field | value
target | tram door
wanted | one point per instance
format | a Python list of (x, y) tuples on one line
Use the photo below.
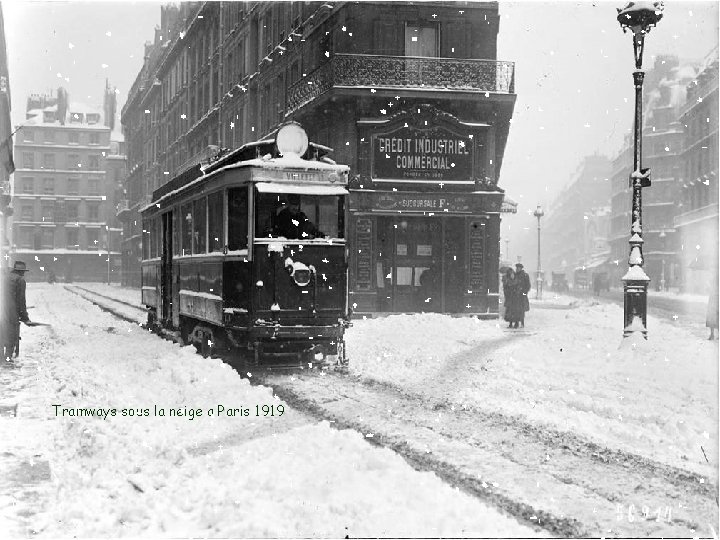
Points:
[(166, 280)]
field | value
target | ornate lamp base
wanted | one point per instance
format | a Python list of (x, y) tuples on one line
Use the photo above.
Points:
[(635, 294)]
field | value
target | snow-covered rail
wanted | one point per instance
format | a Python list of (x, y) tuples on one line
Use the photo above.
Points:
[(557, 481)]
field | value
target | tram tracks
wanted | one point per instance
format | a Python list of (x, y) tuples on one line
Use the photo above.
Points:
[(554, 481)]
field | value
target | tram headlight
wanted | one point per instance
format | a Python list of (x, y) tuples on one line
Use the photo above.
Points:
[(300, 272)]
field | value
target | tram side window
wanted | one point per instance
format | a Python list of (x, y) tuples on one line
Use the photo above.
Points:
[(146, 240), (215, 222), (154, 237), (237, 218), (176, 232), (186, 219), (200, 226)]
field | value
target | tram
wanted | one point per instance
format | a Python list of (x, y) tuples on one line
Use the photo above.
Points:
[(247, 256)]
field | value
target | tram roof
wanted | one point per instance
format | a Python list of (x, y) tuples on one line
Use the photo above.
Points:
[(291, 163)]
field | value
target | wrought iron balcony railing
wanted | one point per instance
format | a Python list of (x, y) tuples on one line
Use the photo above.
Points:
[(403, 72)]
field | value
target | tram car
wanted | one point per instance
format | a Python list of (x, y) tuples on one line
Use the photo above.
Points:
[(247, 256)]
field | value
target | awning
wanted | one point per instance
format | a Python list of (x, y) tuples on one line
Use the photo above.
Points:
[(310, 189)]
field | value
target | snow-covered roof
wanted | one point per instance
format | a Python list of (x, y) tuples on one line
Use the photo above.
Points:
[(289, 161)]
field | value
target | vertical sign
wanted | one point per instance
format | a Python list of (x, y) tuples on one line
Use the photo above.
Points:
[(363, 256), (476, 273)]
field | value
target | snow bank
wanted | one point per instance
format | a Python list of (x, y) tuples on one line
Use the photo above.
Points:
[(209, 476), (567, 371)]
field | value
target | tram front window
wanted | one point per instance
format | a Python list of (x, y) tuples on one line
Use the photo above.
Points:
[(299, 217)]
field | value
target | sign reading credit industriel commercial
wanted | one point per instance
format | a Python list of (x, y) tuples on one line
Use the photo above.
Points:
[(415, 154)]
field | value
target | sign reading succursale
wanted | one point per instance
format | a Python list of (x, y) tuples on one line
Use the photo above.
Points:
[(415, 154)]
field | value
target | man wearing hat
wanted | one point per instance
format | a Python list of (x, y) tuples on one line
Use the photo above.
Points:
[(14, 309), (524, 281), (293, 224)]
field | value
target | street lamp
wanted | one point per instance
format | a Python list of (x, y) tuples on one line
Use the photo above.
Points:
[(662, 260), (538, 213), (639, 17)]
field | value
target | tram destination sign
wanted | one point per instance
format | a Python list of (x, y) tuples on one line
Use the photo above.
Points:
[(436, 155)]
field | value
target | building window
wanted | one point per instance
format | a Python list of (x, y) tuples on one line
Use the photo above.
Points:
[(93, 238), (47, 212), (72, 237), (73, 137), (94, 138), (73, 186), (28, 186), (48, 117), (49, 136), (72, 210), (94, 163), (421, 41), (93, 186), (76, 118), (93, 212), (49, 186), (237, 218), (48, 161), (28, 135), (27, 213), (28, 160), (27, 234), (47, 238), (93, 118), (73, 161)]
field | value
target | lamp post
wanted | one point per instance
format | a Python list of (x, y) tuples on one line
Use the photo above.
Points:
[(639, 17), (538, 213), (662, 260), (107, 228)]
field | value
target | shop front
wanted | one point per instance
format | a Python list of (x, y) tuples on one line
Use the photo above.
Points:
[(423, 252), (424, 216)]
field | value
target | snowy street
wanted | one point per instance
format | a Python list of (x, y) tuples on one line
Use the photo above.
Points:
[(483, 431)]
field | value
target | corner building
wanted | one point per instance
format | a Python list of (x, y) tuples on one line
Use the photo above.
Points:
[(411, 96)]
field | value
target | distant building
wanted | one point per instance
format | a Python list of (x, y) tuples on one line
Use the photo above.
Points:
[(410, 95), (7, 165), (65, 187), (663, 136), (696, 220), (575, 230)]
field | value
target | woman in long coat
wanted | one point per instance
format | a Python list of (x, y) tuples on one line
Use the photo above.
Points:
[(513, 298)]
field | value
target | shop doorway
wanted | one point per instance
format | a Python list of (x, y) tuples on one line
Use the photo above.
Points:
[(420, 264)]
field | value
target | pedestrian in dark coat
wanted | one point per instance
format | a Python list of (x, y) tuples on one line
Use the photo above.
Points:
[(523, 280), (513, 298), (14, 309), (711, 318)]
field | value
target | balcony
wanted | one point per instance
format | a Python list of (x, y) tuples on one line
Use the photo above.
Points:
[(122, 210), (348, 71)]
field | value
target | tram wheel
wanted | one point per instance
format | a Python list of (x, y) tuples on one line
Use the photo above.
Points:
[(203, 339)]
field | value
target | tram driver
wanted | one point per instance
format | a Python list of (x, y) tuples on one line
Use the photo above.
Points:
[(293, 224)]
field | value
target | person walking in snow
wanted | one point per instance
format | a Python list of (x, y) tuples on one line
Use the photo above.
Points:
[(14, 309), (523, 280), (513, 300)]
